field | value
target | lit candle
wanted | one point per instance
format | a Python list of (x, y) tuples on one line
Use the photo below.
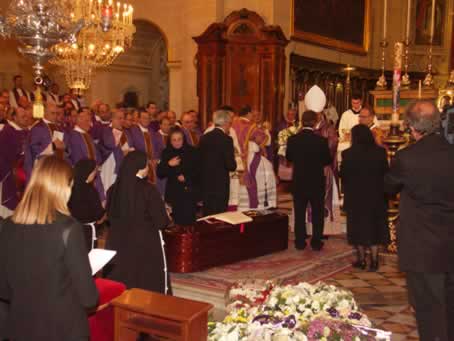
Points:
[(385, 16), (419, 89), (432, 22), (398, 52), (90, 5), (407, 36)]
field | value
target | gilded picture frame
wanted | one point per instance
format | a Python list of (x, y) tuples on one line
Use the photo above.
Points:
[(358, 30)]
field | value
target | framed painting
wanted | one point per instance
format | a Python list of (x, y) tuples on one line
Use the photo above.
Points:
[(337, 24), (423, 22)]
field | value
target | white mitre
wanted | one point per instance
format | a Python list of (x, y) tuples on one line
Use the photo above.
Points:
[(315, 99)]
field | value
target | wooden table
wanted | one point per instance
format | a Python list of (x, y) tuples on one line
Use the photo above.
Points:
[(165, 317)]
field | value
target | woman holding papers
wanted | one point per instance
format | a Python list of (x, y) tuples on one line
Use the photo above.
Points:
[(137, 214), (44, 268)]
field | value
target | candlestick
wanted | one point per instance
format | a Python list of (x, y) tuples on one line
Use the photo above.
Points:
[(407, 33), (419, 89), (406, 77), (432, 22), (385, 16), (381, 83), (398, 51)]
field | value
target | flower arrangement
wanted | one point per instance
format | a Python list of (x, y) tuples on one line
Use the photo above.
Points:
[(261, 310), (283, 137)]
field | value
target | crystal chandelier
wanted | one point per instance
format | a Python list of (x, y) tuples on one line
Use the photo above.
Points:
[(38, 25), (108, 34)]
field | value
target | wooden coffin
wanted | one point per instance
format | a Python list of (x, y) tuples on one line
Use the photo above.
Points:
[(206, 245)]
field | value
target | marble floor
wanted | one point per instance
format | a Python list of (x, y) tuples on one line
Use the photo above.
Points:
[(382, 296)]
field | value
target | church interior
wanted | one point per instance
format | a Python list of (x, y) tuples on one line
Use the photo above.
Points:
[(246, 280)]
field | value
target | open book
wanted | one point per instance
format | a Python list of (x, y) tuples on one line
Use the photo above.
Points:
[(99, 258), (234, 218)]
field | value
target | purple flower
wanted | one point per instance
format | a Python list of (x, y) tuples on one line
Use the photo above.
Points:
[(333, 312), (355, 316)]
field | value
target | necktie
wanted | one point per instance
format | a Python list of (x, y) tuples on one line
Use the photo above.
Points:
[(90, 146)]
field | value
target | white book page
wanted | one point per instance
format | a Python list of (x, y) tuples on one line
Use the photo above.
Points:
[(58, 135), (99, 258)]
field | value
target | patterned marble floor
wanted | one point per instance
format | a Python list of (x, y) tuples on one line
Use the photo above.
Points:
[(383, 297)]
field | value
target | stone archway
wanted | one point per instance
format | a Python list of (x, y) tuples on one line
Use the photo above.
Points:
[(142, 67)]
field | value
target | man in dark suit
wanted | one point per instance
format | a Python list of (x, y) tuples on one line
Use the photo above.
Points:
[(309, 154), (218, 159), (424, 175)]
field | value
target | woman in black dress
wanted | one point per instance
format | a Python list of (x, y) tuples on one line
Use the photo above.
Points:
[(44, 268), (137, 215), (84, 203), (179, 164), (363, 169)]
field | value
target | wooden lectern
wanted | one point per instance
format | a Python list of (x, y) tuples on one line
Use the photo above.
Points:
[(160, 316)]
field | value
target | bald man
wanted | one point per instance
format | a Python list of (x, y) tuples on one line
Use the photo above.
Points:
[(189, 128), (423, 175), (115, 143)]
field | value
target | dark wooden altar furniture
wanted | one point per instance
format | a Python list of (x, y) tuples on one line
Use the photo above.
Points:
[(207, 245), (331, 78), (241, 61), (165, 317)]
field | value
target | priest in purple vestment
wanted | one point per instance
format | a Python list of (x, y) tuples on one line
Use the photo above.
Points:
[(18, 91), (101, 119), (115, 143), (13, 135), (153, 110), (159, 140), (247, 131), (45, 139), (80, 145), (189, 129), (141, 140)]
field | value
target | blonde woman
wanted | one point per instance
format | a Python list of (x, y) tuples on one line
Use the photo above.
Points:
[(44, 268)]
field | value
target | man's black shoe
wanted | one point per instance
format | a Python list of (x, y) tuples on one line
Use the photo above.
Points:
[(317, 246), (300, 247)]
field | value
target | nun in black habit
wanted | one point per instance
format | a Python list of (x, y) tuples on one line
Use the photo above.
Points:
[(84, 203), (137, 215)]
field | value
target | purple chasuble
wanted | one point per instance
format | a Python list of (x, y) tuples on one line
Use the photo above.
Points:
[(79, 150), (12, 177)]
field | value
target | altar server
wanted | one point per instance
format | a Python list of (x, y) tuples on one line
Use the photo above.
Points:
[(115, 143), (45, 139), (81, 146), (13, 135), (348, 120)]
